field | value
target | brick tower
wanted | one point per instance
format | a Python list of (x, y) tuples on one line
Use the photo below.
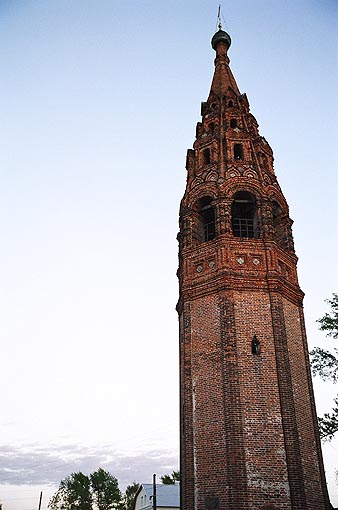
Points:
[(249, 436)]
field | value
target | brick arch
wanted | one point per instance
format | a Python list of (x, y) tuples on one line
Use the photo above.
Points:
[(252, 187), (213, 103), (250, 174), (196, 182), (279, 198), (211, 176), (203, 219), (212, 123), (234, 170), (281, 223), (208, 189)]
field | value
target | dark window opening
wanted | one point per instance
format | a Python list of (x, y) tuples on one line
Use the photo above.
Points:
[(230, 104), (255, 346), (212, 128), (276, 213), (206, 156), (238, 151), (277, 221), (212, 503), (214, 106), (206, 220), (264, 161), (233, 123), (244, 216)]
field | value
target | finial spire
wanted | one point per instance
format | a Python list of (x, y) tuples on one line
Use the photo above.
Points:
[(220, 35), (219, 17)]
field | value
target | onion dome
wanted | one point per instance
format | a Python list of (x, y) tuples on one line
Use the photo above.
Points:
[(221, 36)]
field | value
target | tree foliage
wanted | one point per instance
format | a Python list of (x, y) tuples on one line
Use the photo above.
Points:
[(98, 491), (328, 425), (105, 490), (129, 495), (325, 364), (171, 479), (329, 323), (167, 480), (73, 494)]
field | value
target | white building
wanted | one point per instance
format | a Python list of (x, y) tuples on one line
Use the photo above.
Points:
[(167, 497)]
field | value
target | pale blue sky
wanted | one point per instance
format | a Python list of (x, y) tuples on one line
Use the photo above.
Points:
[(98, 106)]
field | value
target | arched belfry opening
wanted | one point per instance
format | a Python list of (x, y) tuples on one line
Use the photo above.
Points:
[(205, 224), (244, 215), (277, 219)]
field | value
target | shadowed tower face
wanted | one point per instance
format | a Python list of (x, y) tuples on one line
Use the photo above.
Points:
[(249, 437)]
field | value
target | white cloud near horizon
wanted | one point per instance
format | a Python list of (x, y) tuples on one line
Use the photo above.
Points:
[(34, 464)]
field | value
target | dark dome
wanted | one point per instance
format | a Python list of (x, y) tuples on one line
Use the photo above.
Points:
[(220, 36)]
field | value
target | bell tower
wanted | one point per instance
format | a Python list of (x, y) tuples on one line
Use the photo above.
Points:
[(249, 436)]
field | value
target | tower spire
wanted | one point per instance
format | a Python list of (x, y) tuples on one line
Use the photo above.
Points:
[(219, 18), (249, 433)]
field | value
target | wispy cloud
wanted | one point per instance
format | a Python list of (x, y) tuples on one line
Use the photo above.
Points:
[(35, 464)]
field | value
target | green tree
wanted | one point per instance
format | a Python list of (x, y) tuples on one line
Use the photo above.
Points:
[(99, 491), (167, 480), (73, 494), (105, 490), (171, 479), (129, 495), (325, 364)]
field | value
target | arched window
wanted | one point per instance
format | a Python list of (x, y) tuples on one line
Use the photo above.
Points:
[(264, 161), (233, 123), (230, 103), (244, 215), (205, 226), (206, 156), (212, 128), (238, 151), (276, 213), (278, 223)]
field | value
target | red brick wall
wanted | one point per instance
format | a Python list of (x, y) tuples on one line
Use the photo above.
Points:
[(303, 398), (263, 437), (248, 435)]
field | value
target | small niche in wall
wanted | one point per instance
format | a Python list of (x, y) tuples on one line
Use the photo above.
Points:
[(238, 151), (255, 346)]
